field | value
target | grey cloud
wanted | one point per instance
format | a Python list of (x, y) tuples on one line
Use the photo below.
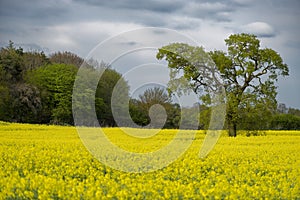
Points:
[(28, 47), (183, 26), (295, 44), (131, 43), (156, 13), (233, 3), (184, 23), (159, 31), (152, 5), (260, 29), (207, 10), (160, 11), (33, 9)]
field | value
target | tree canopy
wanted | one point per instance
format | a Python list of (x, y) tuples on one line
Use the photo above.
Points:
[(249, 73), (145, 110), (35, 88)]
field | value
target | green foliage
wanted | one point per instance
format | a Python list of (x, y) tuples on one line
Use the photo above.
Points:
[(90, 98), (26, 103), (106, 85), (255, 113), (250, 132), (285, 122), (5, 103), (34, 60), (56, 83), (196, 65), (140, 108), (38, 89), (294, 111), (83, 95), (20, 101), (249, 74), (11, 63), (155, 95), (137, 113), (205, 115)]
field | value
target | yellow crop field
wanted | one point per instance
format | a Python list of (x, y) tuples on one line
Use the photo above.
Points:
[(50, 162)]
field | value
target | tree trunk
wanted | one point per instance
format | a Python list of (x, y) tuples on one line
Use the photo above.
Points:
[(232, 130)]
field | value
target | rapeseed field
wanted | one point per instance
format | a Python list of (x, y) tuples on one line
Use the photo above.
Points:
[(50, 162)]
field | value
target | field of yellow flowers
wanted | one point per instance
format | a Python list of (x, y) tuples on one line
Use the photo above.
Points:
[(50, 162)]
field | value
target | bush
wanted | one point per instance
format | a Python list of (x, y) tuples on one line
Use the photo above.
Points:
[(285, 122), (255, 133)]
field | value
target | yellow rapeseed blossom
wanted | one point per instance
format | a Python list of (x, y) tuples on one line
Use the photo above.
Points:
[(50, 162)]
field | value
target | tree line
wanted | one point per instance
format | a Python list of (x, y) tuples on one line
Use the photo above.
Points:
[(36, 88)]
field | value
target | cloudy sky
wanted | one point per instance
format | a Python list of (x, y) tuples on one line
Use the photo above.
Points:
[(79, 25)]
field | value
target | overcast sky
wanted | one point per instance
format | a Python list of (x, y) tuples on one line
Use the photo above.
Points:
[(79, 25)]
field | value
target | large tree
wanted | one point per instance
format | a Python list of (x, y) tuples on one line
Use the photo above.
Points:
[(11, 61), (107, 83), (249, 72), (55, 83), (20, 102)]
